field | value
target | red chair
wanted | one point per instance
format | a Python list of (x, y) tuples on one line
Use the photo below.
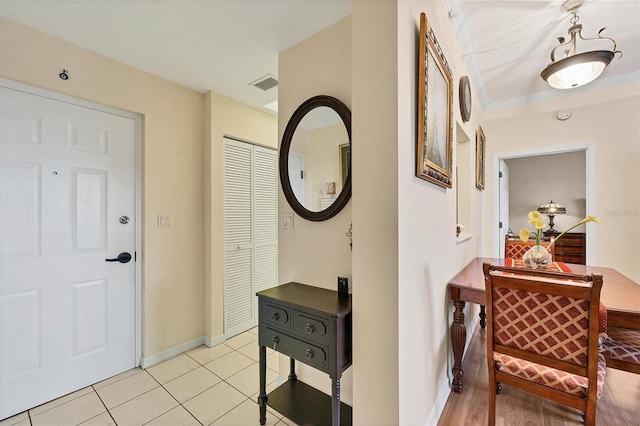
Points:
[(516, 248)]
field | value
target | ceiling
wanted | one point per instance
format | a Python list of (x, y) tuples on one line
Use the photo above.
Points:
[(225, 45)]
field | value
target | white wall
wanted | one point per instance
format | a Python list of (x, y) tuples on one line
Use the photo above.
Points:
[(428, 254)]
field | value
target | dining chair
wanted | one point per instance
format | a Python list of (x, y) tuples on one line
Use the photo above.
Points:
[(542, 336), (621, 343), (515, 248)]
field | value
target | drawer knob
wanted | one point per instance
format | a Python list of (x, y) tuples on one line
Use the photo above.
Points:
[(310, 329), (275, 316), (308, 354)]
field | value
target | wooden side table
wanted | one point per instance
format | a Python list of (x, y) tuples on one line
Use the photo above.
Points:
[(571, 248), (313, 326)]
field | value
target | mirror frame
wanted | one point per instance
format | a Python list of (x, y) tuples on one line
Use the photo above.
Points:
[(307, 106)]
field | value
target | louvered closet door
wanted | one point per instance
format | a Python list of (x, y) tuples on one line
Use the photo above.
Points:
[(250, 231), (265, 202)]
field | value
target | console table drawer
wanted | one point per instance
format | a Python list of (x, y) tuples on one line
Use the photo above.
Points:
[(305, 352), (309, 327), (277, 315)]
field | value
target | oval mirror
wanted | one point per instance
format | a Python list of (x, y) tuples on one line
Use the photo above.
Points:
[(315, 158)]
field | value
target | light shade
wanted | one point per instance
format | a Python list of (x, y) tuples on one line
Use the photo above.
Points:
[(552, 208), (577, 70)]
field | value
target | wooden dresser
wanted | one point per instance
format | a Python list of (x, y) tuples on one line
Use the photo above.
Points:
[(571, 248), (311, 325)]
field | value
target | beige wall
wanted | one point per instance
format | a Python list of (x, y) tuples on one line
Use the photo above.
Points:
[(612, 131), (375, 213), (224, 117), (172, 169), (322, 162), (536, 180), (404, 228), (315, 253)]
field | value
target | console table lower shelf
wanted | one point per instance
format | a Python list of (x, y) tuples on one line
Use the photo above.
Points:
[(305, 405)]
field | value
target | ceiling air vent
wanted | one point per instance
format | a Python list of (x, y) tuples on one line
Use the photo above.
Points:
[(265, 83)]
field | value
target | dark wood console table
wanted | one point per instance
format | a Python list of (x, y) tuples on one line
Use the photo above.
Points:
[(311, 325)]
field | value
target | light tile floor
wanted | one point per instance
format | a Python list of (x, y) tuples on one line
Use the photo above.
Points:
[(203, 386)]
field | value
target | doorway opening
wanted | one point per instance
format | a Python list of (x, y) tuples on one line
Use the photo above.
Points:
[(502, 188)]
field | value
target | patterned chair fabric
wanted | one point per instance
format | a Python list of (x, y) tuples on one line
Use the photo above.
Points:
[(516, 248), (621, 349), (542, 336), (558, 379)]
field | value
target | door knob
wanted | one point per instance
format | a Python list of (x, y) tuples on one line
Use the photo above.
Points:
[(123, 257)]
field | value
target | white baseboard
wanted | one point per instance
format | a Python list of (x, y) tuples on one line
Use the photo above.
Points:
[(214, 341), (441, 400), (445, 389), (171, 352)]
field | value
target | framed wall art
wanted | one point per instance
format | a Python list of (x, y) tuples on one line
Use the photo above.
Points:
[(435, 106), (480, 149), (345, 161)]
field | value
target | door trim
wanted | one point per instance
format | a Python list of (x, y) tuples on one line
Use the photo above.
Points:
[(137, 118), (590, 191)]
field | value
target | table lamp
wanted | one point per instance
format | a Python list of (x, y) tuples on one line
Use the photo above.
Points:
[(551, 209)]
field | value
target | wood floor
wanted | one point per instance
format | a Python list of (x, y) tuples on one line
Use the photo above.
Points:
[(619, 404)]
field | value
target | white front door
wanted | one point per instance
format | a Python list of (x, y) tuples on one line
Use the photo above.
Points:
[(67, 187)]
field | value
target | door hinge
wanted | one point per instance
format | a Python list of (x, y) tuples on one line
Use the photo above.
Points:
[(500, 174), (301, 174), (500, 225), (135, 256)]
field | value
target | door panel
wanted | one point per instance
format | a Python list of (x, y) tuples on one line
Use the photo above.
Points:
[(250, 231), (20, 225), (68, 318), (503, 196)]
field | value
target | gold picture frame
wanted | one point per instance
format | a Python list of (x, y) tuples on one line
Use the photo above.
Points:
[(480, 150), (435, 111)]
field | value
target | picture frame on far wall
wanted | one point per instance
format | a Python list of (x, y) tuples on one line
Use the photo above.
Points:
[(480, 150), (345, 161), (435, 111)]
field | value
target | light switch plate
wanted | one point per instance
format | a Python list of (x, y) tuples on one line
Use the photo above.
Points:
[(286, 221), (165, 220)]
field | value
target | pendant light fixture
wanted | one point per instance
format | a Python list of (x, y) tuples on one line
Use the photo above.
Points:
[(577, 68)]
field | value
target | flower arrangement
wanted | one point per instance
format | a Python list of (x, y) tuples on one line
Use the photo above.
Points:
[(535, 218), (538, 255)]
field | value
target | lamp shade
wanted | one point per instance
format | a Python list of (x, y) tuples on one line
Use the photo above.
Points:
[(577, 70), (552, 208)]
